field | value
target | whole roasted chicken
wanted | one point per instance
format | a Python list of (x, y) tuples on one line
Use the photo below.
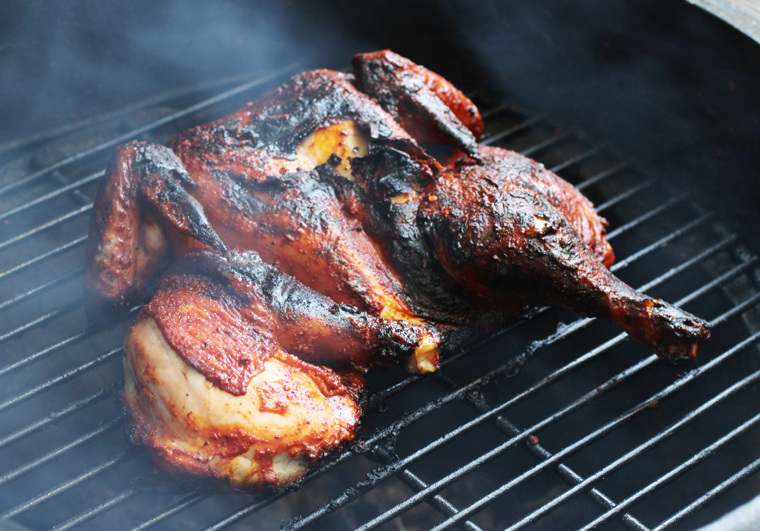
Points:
[(314, 228)]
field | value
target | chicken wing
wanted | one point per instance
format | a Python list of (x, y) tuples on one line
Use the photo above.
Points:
[(142, 214), (426, 105)]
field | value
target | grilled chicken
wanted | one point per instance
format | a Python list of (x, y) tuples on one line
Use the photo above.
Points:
[(220, 377), (329, 182)]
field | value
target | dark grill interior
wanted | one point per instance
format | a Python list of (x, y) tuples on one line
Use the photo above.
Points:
[(556, 422)]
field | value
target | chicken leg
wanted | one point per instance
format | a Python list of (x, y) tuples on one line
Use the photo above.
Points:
[(506, 244)]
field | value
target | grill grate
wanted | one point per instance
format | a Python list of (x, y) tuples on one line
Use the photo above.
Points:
[(659, 450)]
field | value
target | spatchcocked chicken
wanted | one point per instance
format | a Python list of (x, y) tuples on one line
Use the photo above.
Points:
[(313, 229)]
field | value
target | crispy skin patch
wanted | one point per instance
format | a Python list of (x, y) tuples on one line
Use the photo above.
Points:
[(503, 167), (205, 325)]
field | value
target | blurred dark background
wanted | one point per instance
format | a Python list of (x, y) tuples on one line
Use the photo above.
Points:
[(664, 81)]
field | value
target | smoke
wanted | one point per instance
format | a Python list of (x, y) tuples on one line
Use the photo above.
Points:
[(65, 61)]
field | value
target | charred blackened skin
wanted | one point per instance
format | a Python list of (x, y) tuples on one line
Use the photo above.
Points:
[(259, 196), (274, 126), (304, 322), (394, 184)]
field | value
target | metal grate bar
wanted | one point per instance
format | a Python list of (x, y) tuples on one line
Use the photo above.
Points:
[(564, 471), (662, 241), (39, 320), (501, 107), (609, 384), (652, 213), (440, 503), (694, 260), (145, 128), (710, 495), (578, 158), (52, 223), (58, 489), (683, 467), (253, 507), (414, 482), (690, 417), (739, 308), (42, 287), (34, 391), (184, 503), (46, 197), (77, 194), (35, 356), (512, 130), (95, 511), (653, 401), (42, 353), (60, 414), (45, 256), (352, 493), (13, 474), (512, 442), (548, 142), (603, 175), (625, 195)]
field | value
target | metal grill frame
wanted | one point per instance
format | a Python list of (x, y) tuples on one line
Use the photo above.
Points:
[(393, 466)]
